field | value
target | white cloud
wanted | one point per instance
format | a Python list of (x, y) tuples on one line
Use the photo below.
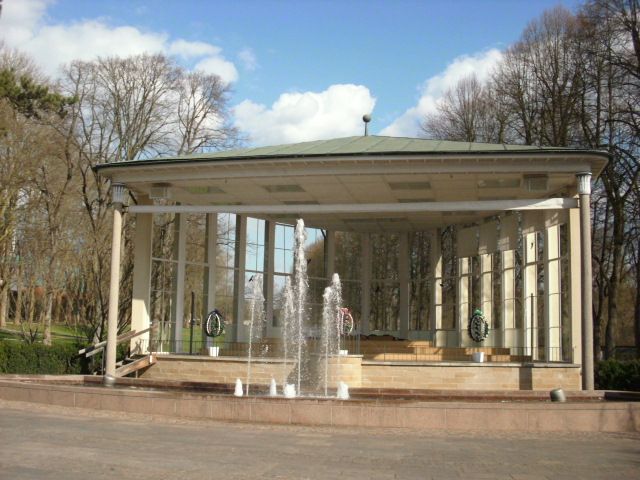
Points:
[(54, 45), (223, 68), (480, 64), (20, 18), (23, 26), (297, 117), (188, 49), (248, 59)]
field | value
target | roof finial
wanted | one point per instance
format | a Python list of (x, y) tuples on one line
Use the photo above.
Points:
[(366, 118)]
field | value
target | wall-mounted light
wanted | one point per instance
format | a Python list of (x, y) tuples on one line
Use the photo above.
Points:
[(536, 183), (160, 191)]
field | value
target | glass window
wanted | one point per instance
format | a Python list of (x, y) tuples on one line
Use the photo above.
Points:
[(565, 313), (449, 278), (420, 281), (225, 265), (496, 286), (385, 285), (255, 245)]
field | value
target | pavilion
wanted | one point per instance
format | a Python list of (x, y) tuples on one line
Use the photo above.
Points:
[(507, 229)]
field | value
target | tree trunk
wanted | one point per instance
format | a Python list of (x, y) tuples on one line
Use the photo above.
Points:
[(47, 318), (636, 313), (4, 304), (599, 305), (32, 307), (614, 280), (17, 315)]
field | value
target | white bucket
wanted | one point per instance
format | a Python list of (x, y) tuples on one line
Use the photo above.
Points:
[(478, 357), (214, 351), (344, 353)]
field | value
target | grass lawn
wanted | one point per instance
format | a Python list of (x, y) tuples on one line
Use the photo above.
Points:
[(59, 333), (68, 334)]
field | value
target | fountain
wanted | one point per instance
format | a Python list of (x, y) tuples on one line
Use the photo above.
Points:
[(287, 330), (238, 390), (331, 331), (311, 370), (256, 319), (343, 391), (273, 389), (289, 390), (300, 290)]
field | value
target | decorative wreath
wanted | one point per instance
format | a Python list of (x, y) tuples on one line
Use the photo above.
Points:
[(345, 320), (214, 325), (478, 326)]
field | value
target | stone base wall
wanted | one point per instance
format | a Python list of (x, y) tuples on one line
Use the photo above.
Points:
[(216, 369), (369, 374), (448, 416), (461, 376), (227, 370)]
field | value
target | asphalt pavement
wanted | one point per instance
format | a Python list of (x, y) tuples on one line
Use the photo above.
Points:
[(50, 442)]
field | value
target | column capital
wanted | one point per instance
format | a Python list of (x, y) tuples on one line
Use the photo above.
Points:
[(584, 183), (118, 193)]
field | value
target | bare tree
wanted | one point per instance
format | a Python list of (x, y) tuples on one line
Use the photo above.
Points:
[(572, 80), (202, 113), (467, 112), (128, 109)]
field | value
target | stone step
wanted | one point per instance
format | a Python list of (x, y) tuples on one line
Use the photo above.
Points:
[(441, 357), (365, 349)]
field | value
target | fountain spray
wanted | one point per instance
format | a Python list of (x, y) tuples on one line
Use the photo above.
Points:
[(256, 319), (301, 286)]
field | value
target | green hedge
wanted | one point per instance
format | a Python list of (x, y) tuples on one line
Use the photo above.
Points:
[(618, 375), (36, 358)]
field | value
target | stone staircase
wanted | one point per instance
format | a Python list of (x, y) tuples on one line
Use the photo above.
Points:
[(384, 348), (388, 349)]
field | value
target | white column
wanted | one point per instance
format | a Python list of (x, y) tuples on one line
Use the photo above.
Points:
[(530, 338), (463, 301), (486, 287), (366, 283), (553, 332), (507, 243), (178, 304), (241, 331), (467, 246), (488, 244), (211, 256), (117, 198), (584, 191), (269, 268), (509, 338), (141, 291), (575, 285), (436, 288), (403, 277)]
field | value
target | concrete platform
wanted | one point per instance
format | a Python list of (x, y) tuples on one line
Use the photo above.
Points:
[(507, 414)]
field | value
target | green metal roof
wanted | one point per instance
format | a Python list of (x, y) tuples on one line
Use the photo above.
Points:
[(372, 145)]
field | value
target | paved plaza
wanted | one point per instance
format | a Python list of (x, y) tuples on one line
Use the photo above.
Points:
[(49, 442)]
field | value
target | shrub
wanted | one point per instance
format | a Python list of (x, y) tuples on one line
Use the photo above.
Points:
[(36, 358), (615, 374)]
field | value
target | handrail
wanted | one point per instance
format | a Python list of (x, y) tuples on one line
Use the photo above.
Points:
[(92, 350)]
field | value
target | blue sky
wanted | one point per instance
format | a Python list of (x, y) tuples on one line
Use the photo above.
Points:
[(299, 70)]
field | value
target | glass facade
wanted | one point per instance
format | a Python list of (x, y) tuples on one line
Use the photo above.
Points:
[(525, 290)]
